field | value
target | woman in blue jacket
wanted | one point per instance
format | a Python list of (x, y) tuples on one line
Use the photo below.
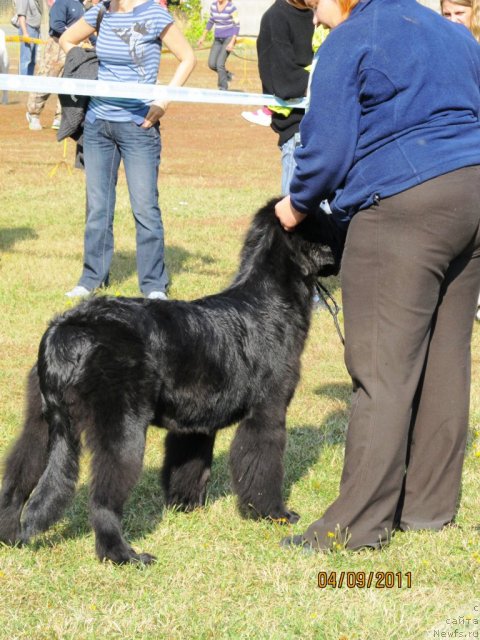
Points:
[(392, 139)]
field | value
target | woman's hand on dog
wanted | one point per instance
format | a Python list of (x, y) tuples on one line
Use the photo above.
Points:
[(289, 217)]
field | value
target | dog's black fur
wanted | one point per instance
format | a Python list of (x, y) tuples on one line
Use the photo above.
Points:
[(111, 366)]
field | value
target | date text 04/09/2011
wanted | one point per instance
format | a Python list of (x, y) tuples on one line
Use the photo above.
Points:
[(364, 579)]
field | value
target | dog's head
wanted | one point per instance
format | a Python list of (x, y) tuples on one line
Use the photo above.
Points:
[(315, 245)]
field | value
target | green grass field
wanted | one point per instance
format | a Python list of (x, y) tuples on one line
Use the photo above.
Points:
[(218, 576)]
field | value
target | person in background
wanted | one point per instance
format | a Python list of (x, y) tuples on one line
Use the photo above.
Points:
[(466, 12), (284, 48), (285, 31), (29, 14), (128, 47), (262, 116), (393, 142), (63, 13), (224, 17)]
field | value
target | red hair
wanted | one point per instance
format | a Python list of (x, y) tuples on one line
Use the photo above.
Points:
[(347, 5)]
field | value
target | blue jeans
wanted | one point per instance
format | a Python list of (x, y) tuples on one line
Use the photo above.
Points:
[(288, 161), (105, 144), (218, 59), (28, 52)]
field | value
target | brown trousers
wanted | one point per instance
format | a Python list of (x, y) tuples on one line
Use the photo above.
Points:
[(410, 283), (52, 63)]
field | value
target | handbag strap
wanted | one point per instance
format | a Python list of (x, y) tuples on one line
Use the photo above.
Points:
[(101, 12)]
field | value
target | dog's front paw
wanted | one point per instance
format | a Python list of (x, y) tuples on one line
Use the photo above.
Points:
[(128, 557), (183, 503), (287, 517), (121, 553), (185, 499), (292, 517), (142, 558)]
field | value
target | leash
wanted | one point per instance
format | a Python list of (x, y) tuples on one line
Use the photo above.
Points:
[(331, 305)]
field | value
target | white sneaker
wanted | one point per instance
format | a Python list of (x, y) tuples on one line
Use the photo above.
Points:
[(257, 117), (56, 123), (78, 292), (34, 123), (478, 313), (157, 295)]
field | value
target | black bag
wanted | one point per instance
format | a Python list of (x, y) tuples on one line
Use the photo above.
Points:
[(79, 63)]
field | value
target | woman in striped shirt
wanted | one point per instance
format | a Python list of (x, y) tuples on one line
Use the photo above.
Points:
[(224, 17), (129, 46)]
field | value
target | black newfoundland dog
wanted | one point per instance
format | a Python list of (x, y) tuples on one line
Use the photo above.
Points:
[(110, 367)]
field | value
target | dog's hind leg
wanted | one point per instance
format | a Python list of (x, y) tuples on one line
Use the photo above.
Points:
[(256, 461), (116, 465), (186, 468), (56, 486), (25, 463)]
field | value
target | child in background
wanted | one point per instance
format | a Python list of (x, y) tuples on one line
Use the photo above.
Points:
[(224, 17)]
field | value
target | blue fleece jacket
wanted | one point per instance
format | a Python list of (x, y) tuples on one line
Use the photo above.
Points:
[(395, 99)]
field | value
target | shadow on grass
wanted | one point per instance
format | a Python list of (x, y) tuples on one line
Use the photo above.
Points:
[(144, 509), (304, 448), (9, 237), (124, 263), (142, 514), (335, 391)]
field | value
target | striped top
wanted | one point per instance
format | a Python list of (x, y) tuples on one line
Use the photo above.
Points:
[(128, 49), (226, 21)]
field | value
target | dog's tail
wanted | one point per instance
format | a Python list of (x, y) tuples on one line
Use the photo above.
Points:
[(58, 361), (25, 463)]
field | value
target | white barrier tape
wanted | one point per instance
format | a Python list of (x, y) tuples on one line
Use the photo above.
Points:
[(103, 89)]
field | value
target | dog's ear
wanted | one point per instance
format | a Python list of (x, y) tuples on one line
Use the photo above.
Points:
[(300, 253), (323, 241), (316, 227)]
